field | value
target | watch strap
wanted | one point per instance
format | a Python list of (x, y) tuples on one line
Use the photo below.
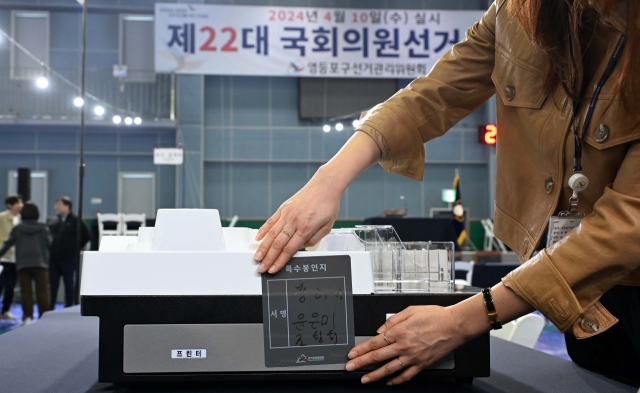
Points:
[(491, 309)]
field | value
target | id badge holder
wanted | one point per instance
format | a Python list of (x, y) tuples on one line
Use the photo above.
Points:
[(562, 224), (567, 220)]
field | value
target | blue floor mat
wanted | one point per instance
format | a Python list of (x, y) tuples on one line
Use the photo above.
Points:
[(16, 309)]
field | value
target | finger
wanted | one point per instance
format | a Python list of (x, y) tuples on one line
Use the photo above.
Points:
[(322, 232), (281, 242), (405, 376), (373, 357), (292, 246), (390, 368), (268, 224), (395, 319), (265, 246), (370, 345)]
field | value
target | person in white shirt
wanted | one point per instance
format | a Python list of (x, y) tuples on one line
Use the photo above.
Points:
[(8, 219)]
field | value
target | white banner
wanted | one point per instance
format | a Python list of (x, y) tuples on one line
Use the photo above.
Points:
[(168, 156), (296, 41)]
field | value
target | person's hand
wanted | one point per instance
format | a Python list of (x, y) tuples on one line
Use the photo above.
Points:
[(408, 342), (308, 216), (301, 221)]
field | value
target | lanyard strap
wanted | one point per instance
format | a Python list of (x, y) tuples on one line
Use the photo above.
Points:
[(577, 161)]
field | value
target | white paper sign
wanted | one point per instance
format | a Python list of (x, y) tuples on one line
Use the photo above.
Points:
[(304, 41), (168, 156)]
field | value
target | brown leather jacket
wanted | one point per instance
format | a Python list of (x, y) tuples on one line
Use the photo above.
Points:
[(534, 162)]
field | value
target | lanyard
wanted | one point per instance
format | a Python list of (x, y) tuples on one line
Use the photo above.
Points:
[(577, 161), (578, 181)]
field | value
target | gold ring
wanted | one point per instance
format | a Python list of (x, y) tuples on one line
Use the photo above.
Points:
[(385, 339), (286, 233), (398, 359)]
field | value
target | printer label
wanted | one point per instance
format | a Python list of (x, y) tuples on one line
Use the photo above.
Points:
[(188, 353)]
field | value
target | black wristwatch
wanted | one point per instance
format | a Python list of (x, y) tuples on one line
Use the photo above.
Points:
[(491, 309)]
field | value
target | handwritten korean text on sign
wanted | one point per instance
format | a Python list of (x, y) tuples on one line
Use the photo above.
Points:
[(308, 312)]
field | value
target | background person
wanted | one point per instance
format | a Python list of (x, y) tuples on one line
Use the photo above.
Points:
[(544, 60), (31, 240), (64, 249), (8, 219)]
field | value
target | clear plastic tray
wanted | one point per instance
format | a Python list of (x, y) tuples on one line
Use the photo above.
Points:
[(407, 267)]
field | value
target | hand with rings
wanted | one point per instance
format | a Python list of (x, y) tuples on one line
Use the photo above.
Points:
[(407, 343), (308, 216), (300, 222)]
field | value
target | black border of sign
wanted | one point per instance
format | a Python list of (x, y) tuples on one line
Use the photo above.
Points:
[(336, 266)]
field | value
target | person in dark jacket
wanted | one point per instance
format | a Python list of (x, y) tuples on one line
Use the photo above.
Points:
[(31, 240), (64, 249)]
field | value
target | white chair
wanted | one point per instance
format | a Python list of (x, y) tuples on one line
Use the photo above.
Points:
[(524, 331), (128, 219), (110, 218), (233, 221), (489, 238), (465, 267)]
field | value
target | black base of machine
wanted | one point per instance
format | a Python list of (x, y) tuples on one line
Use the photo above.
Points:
[(471, 359)]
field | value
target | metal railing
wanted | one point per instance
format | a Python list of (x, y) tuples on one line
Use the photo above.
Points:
[(21, 99)]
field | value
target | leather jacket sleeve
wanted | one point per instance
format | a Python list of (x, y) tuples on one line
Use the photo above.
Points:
[(432, 104), (591, 259)]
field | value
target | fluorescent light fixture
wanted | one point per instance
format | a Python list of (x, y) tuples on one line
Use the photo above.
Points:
[(78, 101), (448, 195), (117, 119), (27, 14), (339, 127), (137, 121), (128, 121), (137, 175), (326, 128), (98, 110), (139, 18), (42, 82)]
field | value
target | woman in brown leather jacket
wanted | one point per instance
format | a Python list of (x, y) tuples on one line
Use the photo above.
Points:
[(566, 76)]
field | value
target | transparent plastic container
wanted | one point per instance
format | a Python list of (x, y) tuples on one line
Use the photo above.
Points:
[(407, 267), (425, 267)]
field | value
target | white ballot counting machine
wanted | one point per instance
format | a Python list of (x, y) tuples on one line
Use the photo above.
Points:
[(182, 301)]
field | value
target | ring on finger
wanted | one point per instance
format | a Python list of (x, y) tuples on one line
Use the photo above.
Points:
[(286, 233), (399, 361), (386, 339)]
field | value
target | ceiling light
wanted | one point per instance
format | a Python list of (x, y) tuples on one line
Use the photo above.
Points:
[(98, 110), (117, 119), (137, 121), (128, 120), (356, 123), (42, 82), (339, 127), (326, 128), (78, 101)]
